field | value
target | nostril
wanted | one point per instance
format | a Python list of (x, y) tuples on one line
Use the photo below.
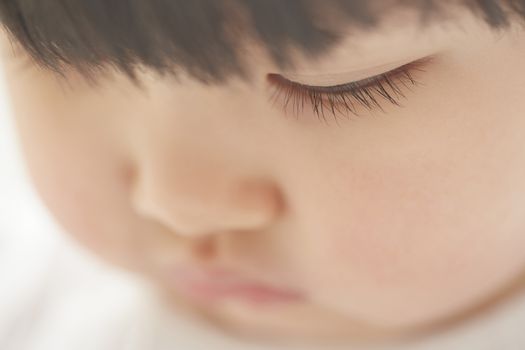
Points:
[(205, 249), (128, 175)]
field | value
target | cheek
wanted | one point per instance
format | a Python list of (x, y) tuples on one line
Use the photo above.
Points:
[(79, 176), (398, 250), (78, 191), (75, 157), (417, 238)]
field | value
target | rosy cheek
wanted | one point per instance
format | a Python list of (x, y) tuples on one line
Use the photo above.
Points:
[(404, 233), (390, 227)]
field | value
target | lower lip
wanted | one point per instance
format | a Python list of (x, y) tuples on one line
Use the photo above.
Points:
[(209, 292)]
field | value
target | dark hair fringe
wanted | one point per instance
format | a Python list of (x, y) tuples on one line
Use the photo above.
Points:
[(199, 36)]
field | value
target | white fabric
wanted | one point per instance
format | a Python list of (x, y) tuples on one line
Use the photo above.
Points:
[(56, 296)]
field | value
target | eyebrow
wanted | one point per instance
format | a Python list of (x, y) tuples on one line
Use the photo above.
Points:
[(200, 37)]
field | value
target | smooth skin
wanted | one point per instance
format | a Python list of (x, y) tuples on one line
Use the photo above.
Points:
[(385, 222)]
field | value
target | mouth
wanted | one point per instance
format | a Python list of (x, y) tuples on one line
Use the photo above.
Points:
[(216, 285)]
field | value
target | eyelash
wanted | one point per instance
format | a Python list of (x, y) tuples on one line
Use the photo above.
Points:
[(339, 100)]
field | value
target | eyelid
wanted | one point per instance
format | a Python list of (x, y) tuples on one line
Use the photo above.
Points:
[(334, 78), (415, 65)]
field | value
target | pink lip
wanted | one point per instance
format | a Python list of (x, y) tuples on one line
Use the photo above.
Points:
[(215, 285)]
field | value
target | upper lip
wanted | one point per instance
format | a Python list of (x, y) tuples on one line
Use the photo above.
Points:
[(220, 281)]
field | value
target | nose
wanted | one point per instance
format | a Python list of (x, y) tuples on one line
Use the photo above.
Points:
[(197, 197)]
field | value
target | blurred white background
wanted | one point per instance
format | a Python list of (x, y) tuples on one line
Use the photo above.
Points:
[(21, 213)]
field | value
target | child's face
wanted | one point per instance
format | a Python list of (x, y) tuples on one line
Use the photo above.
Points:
[(389, 220)]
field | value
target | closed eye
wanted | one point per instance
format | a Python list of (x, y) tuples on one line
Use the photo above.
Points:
[(344, 99)]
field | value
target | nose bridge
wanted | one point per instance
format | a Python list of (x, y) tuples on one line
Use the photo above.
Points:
[(198, 191)]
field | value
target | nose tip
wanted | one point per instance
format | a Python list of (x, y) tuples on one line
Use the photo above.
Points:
[(209, 207)]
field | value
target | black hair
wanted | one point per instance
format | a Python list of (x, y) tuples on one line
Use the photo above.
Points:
[(201, 37)]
